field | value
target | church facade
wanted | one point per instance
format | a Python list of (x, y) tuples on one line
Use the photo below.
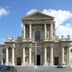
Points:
[(38, 44)]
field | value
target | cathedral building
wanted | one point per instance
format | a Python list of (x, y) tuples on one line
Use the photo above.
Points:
[(38, 44)]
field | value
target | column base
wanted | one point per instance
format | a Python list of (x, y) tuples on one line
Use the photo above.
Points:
[(45, 64), (30, 64), (51, 64), (6, 64), (1, 62), (23, 64), (13, 64)]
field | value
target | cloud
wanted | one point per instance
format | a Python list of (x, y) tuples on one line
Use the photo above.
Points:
[(60, 15), (4, 12), (31, 11), (64, 30), (63, 19)]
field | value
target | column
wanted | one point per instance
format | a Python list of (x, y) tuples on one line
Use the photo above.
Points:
[(51, 57), (45, 30), (1, 61), (1, 58), (24, 32), (23, 63), (68, 56), (30, 31), (62, 61), (51, 31), (13, 56), (45, 57), (30, 56), (6, 56)]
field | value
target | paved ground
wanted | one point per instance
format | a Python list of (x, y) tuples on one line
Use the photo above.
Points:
[(43, 69)]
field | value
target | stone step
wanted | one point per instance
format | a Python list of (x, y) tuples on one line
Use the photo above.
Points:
[(42, 69)]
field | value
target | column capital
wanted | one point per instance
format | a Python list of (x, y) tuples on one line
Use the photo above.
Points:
[(13, 46)]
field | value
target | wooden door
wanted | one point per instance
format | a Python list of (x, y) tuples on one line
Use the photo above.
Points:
[(56, 60), (18, 60)]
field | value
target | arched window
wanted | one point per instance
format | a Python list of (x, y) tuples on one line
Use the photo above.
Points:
[(37, 35)]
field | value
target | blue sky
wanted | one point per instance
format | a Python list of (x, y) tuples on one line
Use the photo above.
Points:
[(11, 12)]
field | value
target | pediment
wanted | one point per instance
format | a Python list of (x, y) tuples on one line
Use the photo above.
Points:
[(38, 15)]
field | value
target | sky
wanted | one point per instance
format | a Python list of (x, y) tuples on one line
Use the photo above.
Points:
[(11, 12)]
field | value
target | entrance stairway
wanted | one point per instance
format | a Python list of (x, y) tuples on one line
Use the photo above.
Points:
[(32, 69), (42, 69)]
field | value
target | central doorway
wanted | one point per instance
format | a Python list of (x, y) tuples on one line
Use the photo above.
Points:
[(38, 59)]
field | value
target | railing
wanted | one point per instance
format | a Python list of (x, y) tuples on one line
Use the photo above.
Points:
[(9, 39), (65, 39)]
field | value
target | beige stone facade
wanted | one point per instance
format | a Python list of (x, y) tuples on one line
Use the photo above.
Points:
[(38, 44)]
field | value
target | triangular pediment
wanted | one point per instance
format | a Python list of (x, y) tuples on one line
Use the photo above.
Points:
[(38, 15)]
